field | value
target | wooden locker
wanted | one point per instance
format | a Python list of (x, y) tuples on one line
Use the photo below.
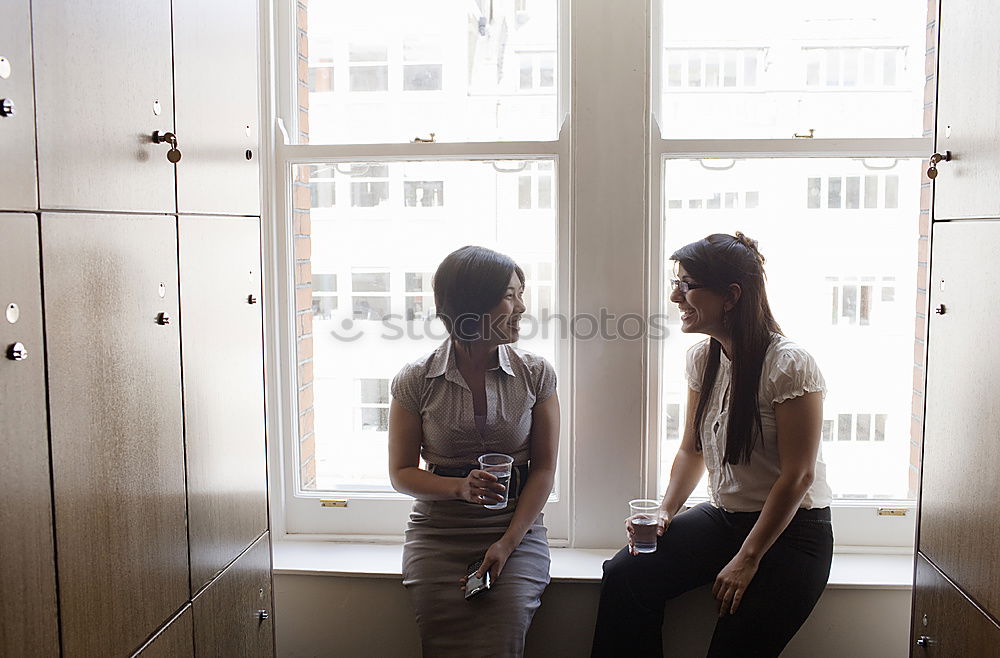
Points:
[(946, 623), (232, 616), (215, 74), (111, 311), (959, 489), (18, 186), (968, 95), (222, 344), (104, 85), (175, 640), (28, 620)]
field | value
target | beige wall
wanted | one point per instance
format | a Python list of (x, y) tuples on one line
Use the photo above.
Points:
[(337, 616)]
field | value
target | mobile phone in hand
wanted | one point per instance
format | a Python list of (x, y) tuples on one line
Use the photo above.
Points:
[(475, 585)]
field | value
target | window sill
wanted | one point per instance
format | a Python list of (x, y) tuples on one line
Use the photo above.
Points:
[(354, 560)]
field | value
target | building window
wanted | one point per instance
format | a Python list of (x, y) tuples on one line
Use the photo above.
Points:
[(856, 192), (853, 298), (373, 405), (534, 186), (422, 68), (725, 200), (707, 68), (852, 67), (537, 71), (369, 67), (369, 185), (423, 194), (323, 186), (321, 76), (856, 427), (324, 295), (419, 295), (370, 294)]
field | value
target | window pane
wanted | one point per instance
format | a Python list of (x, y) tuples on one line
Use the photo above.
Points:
[(370, 282), (423, 194), (382, 267), (369, 195), (491, 68), (820, 296), (374, 391), (805, 65), (422, 77), (369, 78)]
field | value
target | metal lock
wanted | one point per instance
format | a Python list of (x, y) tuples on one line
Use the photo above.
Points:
[(263, 615), (932, 171), (941, 309), (174, 154), (17, 352), (924, 641), (251, 299), (6, 107), (163, 318)]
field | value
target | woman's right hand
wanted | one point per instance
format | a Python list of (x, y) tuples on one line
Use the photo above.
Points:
[(481, 488), (662, 521)]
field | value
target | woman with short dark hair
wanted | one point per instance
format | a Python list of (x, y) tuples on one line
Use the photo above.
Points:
[(473, 395), (754, 417)]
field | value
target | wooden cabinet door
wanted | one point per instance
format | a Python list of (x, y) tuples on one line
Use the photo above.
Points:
[(232, 616), (111, 309), (103, 86), (215, 73), (946, 624), (28, 623), (223, 389), (958, 527), (18, 187), (176, 640), (968, 95)]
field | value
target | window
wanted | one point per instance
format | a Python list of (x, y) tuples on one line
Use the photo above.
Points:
[(324, 295), (422, 68), (813, 214), (704, 143), (369, 67)]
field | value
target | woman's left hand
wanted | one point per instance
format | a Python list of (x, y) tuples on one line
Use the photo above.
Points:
[(732, 582)]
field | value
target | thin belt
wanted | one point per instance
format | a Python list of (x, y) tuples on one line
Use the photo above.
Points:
[(518, 476)]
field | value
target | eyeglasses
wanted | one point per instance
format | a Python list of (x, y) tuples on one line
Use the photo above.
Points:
[(683, 287)]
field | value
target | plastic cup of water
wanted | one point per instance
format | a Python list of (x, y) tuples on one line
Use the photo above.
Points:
[(644, 515), (499, 465)]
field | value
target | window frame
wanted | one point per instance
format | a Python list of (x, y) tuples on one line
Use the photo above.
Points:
[(372, 516), (583, 517)]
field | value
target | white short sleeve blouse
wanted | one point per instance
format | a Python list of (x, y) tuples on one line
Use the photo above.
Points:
[(788, 372)]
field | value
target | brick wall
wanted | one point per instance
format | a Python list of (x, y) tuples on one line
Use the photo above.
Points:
[(923, 256), (301, 230)]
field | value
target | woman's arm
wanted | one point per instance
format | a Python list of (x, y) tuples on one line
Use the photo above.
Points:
[(799, 422), (405, 436), (544, 447)]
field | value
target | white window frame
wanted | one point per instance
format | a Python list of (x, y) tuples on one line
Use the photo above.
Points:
[(609, 390), (859, 526)]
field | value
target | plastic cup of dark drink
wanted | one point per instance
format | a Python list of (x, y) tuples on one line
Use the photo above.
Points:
[(499, 465), (644, 515)]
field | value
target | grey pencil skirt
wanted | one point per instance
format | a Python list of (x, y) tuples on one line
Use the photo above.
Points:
[(442, 538)]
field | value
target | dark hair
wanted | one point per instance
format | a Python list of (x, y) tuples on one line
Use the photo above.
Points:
[(468, 283), (717, 262)]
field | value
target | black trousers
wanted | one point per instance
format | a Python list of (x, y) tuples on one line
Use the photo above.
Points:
[(698, 543)]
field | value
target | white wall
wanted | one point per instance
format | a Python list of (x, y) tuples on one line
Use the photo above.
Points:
[(344, 616)]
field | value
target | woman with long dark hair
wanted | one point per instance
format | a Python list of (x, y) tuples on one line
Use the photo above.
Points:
[(475, 394), (754, 417)]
